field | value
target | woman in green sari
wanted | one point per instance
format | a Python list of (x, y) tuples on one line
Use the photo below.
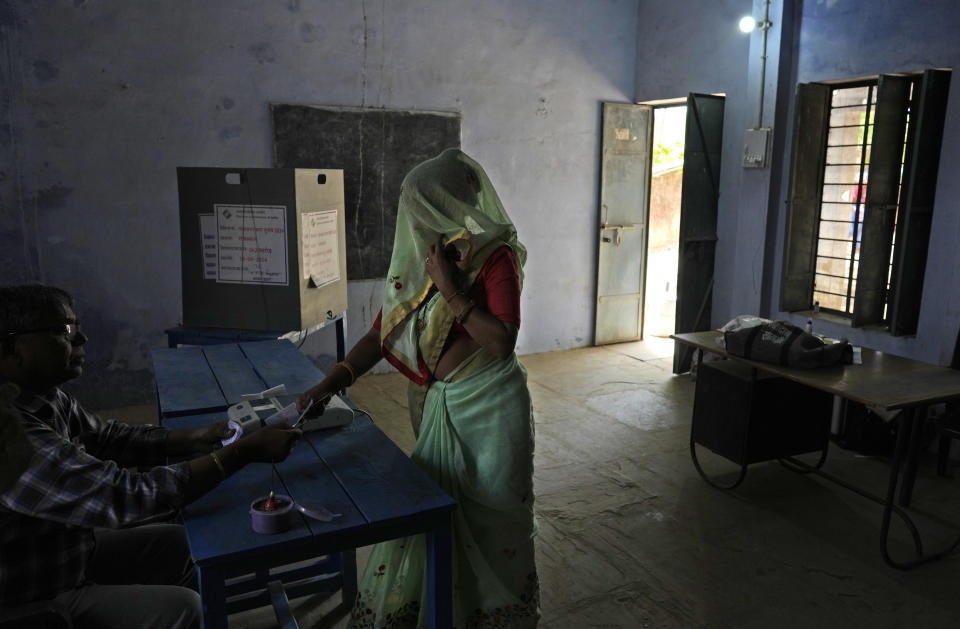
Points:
[(449, 323)]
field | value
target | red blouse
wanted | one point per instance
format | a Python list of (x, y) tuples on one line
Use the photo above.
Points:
[(496, 290)]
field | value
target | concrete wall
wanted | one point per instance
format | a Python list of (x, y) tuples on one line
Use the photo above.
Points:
[(100, 101)]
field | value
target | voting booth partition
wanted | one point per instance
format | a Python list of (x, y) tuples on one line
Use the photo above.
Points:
[(262, 248)]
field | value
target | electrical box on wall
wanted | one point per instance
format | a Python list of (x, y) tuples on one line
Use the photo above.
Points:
[(756, 147), (262, 248)]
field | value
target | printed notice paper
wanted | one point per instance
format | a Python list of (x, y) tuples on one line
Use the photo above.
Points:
[(321, 247), (251, 244), (208, 243)]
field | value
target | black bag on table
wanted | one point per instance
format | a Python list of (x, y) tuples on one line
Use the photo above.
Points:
[(783, 343)]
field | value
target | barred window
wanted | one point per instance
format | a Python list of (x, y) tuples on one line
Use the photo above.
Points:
[(863, 176)]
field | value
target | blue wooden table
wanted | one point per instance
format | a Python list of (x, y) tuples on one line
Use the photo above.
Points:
[(355, 471), (180, 335)]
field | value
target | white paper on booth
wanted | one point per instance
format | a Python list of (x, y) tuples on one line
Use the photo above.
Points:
[(321, 247), (208, 245), (251, 244)]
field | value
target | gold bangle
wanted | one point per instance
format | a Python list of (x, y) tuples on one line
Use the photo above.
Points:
[(216, 459), (346, 365), (454, 295)]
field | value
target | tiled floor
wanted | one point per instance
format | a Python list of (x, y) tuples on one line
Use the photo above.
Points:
[(630, 536)]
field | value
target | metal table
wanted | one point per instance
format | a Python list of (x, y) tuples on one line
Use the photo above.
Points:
[(884, 382)]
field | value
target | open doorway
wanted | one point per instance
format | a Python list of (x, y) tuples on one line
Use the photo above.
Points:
[(687, 150), (663, 242)]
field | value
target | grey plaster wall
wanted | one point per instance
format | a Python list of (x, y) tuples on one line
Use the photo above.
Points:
[(103, 99)]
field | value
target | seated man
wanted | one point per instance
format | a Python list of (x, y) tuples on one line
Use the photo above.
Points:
[(15, 448), (77, 526)]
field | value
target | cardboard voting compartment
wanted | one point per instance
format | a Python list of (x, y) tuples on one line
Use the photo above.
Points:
[(261, 248)]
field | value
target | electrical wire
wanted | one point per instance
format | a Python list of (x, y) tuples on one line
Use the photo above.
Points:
[(359, 410)]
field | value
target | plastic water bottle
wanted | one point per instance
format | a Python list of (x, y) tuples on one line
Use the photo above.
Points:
[(809, 327)]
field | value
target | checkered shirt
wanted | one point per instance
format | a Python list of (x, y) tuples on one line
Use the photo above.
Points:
[(76, 481)]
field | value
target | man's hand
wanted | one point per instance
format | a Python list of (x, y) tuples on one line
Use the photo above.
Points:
[(269, 444), (208, 438), (319, 395), (203, 439)]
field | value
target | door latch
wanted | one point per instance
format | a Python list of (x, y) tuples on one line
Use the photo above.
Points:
[(619, 232)]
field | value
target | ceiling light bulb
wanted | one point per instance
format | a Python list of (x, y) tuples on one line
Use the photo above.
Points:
[(747, 24)]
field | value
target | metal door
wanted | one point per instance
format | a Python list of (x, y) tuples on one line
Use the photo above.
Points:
[(698, 219), (624, 206)]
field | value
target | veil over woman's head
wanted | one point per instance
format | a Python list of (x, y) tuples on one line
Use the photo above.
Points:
[(448, 197)]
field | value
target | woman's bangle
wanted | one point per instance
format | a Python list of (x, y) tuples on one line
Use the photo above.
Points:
[(346, 365), (460, 318), (216, 459), (454, 295)]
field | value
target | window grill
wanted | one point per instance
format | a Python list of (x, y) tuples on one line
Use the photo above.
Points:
[(843, 201), (862, 190)]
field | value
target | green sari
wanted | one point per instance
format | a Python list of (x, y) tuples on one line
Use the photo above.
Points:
[(475, 432)]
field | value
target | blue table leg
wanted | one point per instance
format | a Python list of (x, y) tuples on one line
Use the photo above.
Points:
[(213, 596), (156, 399), (341, 328), (440, 577), (348, 575)]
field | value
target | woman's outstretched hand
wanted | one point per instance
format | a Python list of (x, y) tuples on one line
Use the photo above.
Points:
[(440, 268), (318, 395)]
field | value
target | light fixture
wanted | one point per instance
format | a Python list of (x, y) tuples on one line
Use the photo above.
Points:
[(747, 23)]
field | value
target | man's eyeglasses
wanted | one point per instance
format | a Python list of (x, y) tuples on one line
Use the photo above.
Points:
[(68, 331)]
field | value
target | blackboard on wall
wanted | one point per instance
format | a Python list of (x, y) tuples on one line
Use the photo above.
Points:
[(375, 148)]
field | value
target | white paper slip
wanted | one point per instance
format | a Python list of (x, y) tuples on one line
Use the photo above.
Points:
[(287, 415), (237, 432)]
